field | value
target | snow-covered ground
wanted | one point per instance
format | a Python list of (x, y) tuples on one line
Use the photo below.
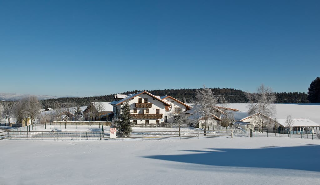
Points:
[(307, 111), (221, 160)]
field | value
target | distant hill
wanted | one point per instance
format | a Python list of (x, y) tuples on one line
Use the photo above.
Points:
[(15, 97)]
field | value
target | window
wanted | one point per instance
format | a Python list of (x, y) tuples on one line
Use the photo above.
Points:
[(145, 100), (157, 111), (134, 110), (140, 100), (147, 111)]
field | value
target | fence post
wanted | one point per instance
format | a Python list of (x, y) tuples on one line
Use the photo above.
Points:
[(301, 134), (312, 135), (65, 125), (267, 133), (100, 135), (87, 135)]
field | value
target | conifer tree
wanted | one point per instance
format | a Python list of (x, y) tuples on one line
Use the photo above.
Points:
[(314, 91), (123, 124)]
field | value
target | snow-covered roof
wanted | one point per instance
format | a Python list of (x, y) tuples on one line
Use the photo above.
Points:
[(72, 110), (125, 99), (103, 106), (120, 96), (249, 117), (165, 97), (298, 123), (134, 95), (240, 115)]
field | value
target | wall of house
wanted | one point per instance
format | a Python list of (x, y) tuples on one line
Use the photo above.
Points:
[(256, 120), (211, 124), (172, 112)]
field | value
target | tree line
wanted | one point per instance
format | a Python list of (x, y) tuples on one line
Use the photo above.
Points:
[(185, 95)]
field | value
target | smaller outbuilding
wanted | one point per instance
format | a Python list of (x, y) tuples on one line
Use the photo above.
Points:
[(299, 125)]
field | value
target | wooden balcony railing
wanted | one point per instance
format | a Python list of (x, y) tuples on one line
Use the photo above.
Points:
[(143, 105), (146, 116)]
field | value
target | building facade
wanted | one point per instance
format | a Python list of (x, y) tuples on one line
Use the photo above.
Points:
[(145, 109)]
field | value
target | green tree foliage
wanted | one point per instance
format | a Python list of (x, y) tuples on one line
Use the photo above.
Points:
[(314, 91), (123, 124)]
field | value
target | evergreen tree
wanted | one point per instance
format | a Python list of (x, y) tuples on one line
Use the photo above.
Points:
[(123, 124), (314, 91)]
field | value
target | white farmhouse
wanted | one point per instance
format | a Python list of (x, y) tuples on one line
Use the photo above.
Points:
[(145, 109)]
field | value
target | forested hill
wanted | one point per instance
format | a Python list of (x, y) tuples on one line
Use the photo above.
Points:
[(188, 95)]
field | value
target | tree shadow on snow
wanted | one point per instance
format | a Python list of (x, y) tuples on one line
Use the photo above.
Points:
[(294, 158)]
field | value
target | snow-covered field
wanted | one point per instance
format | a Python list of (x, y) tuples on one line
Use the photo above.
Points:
[(307, 111), (221, 160), (218, 160)]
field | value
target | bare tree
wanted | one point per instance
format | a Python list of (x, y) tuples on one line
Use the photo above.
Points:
[(78, 114), (204, 105), (261, 103), (275, 127), (27, 108), (181, 119), (58, 114), (1, 111), (289, 123), (225, 114), (21, 111), (34, 108), (7, 110), (99, 107), (227, 119)]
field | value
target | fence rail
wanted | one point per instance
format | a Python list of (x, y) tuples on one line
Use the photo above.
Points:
[(160, 134), (54, 135)]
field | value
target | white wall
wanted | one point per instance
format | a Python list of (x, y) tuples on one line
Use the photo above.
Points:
[(174, 104)]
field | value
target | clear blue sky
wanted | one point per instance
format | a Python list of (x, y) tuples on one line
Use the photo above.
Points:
[(86, 48)]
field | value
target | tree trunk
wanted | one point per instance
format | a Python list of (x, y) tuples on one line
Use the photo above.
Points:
[(205, 128)]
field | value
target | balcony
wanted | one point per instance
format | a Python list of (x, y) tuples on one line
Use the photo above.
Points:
[(146, 116), (143, 105)]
